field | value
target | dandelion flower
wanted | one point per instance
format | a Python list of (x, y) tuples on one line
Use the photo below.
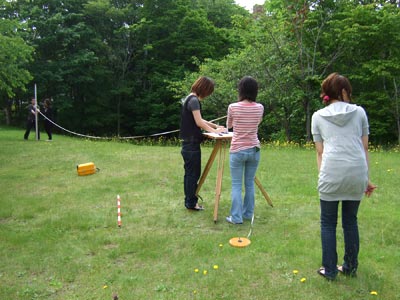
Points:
[(375, 293), (196, 270), (215, 267), (295, 272), (220, 245), (303, 279), (205, 272), (105, 286)]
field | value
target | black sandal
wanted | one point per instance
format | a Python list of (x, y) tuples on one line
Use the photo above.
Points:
[(196, 208), (321, 271), (346, 272)]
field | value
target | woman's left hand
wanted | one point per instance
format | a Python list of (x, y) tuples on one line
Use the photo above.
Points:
[(370, 188)]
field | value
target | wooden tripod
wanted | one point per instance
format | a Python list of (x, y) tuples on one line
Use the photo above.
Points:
[(221, 142)]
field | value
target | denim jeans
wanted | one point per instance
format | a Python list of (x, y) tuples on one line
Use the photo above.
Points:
[(191, 154), (329, 214), (245, 163)]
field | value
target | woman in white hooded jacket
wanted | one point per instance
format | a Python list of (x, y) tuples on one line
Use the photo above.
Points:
[(340, 132)]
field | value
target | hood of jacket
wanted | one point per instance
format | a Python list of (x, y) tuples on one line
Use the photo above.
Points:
[(339, 113)]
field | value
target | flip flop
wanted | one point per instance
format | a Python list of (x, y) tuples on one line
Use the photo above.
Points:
[(346, 273), (321, 271), (196, 208)]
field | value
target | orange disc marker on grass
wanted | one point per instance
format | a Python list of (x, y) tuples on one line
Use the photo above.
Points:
[(239, 242)]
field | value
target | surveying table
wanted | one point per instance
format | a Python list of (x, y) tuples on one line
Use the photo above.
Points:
[(221, 142)]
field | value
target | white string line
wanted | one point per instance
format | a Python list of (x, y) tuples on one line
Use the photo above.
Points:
[(69, 131), (126, 138), (251, 226)]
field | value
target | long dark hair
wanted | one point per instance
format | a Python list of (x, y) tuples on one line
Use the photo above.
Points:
[(47, 102), (248, 89)]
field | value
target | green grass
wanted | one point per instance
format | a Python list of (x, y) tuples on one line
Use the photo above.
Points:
[(59, 237)]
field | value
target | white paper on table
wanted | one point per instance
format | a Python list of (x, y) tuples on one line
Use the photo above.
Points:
[(227, 135)]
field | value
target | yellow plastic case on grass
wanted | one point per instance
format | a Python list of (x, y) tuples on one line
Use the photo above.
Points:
[(86, 169)]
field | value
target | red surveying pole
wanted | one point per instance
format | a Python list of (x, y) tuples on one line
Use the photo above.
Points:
[(119, 211)]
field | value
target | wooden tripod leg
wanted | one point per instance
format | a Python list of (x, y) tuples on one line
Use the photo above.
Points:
[(218, 185), (210, 161), (264, 192)]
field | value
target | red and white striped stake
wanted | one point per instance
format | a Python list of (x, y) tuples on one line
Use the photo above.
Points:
[(119, 211)]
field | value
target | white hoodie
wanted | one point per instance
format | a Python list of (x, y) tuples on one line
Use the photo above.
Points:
[(344, 171)]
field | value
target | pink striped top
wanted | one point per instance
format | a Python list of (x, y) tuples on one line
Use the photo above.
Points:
[(244, 117)]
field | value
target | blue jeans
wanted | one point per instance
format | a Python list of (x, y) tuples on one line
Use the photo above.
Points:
[(329, 214), (245, 163), (191, 154)]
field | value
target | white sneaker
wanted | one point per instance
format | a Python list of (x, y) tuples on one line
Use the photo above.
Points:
[(229, 220)]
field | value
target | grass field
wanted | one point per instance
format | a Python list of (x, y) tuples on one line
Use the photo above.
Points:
[(59, 237)]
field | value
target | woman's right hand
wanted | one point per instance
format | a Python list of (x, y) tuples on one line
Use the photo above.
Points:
[(220, 129)]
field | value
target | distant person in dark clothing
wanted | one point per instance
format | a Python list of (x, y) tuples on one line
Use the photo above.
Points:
[(31, 123), (48, 113)]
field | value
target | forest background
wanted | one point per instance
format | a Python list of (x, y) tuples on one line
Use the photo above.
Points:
[(122, 67)]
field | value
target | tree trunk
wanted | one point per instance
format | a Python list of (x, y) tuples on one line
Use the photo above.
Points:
[(397, 109), (7, 114), (308, 120)]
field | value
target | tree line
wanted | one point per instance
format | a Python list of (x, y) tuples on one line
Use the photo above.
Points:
[(121, 67)]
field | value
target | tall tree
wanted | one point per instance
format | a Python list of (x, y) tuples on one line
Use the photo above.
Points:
[(15, 55), (179, 36), (118, 26), (292, 47), (66, 67), (370, 35)]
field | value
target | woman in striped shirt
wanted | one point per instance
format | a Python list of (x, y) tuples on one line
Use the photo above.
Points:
[(244, 117)]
